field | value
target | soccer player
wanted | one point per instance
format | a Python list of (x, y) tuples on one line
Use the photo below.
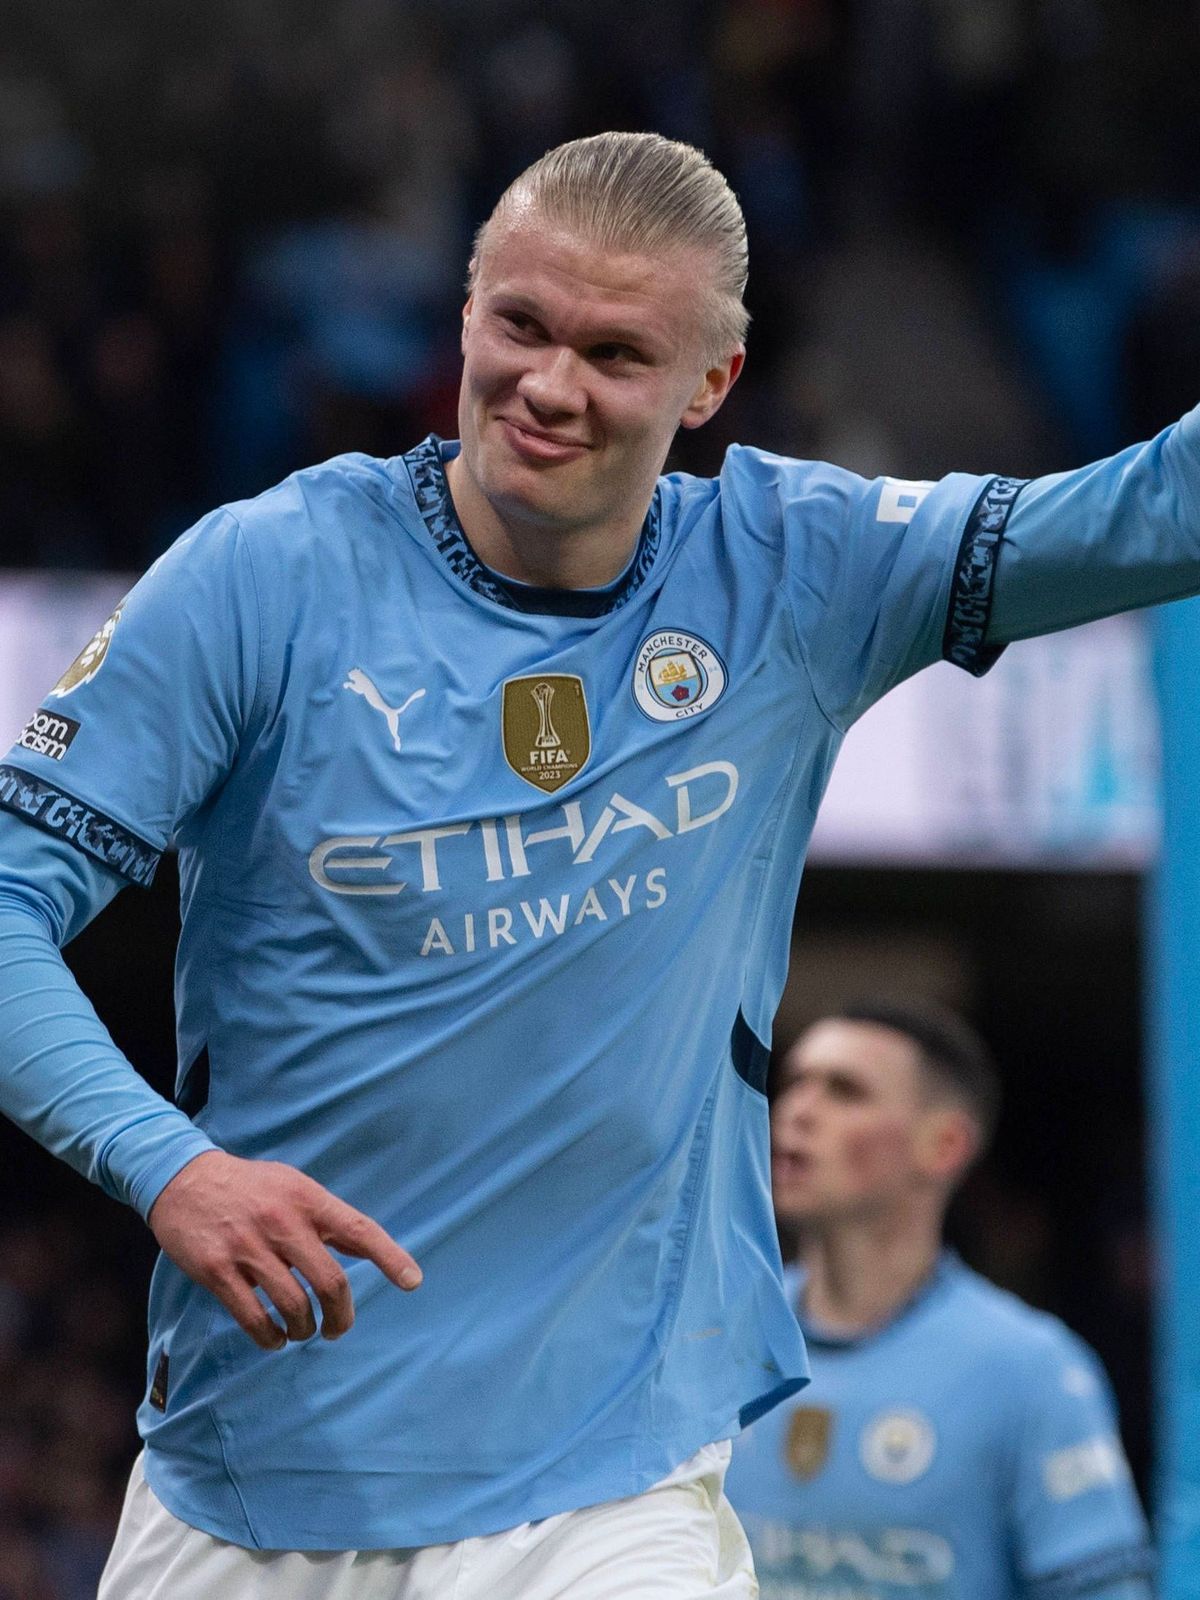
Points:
[(491, 768), (955, 1443)]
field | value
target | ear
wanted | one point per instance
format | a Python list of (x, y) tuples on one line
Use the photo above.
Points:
[(466, 323), (947, 1144), (714, 386)]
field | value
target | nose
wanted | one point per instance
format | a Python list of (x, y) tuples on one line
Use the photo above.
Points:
[(552, 384), (797, 1105)]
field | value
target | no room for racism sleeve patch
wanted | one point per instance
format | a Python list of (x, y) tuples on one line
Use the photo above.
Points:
[(48, 733)]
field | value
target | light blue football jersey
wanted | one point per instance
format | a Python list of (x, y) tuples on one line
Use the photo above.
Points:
[(487, 897), (967, 1450)]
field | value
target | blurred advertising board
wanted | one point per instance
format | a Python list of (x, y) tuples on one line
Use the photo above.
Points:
[(1050, 761)]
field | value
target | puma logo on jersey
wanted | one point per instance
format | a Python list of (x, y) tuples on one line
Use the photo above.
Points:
[(359, 683)]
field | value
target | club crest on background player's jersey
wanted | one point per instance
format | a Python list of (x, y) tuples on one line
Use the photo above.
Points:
[(810, 1430), (545, 730), (677, 675), (90, 659), (898, 1446)]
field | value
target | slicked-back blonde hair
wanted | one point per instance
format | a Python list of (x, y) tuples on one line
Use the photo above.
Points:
[(641, 193)]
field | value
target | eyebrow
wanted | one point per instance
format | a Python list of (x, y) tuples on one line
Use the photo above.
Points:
[(843, 1073), (609, 333)]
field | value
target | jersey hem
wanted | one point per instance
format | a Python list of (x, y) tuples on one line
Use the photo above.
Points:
[(380, 1527)]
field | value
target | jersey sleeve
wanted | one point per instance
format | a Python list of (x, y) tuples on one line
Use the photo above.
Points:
[(62, 1079), (883, 577), (138, 732), (148, 719), (1078, 1528), (1121, 533)]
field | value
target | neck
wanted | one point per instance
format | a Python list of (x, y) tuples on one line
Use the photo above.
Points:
[(552, 557), (862, 1273)]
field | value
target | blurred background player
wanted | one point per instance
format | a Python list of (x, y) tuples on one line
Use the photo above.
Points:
[(954, 1442)]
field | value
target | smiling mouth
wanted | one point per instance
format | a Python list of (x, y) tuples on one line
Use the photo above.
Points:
[(533, 445)]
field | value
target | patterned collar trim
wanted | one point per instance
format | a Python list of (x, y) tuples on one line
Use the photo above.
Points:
[(427, 472)]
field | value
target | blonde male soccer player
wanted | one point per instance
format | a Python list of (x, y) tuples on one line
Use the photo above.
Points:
[(491, 769), (954, 1443)]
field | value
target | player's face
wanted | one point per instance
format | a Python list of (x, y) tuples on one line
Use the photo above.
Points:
[(579, 365), (849, 1124)]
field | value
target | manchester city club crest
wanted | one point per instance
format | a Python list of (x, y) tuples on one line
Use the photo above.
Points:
[(545, 730), (676, 676), (898, 1446)]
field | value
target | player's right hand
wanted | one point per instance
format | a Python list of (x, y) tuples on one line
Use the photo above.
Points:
[(236, 1225)]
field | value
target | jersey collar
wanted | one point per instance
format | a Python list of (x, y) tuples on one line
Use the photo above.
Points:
[(946, 1266), (426, 466)]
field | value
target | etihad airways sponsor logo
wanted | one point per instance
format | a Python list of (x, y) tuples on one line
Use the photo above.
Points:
[(906, 1558), (502, 847), (373, 863), (510, 925)]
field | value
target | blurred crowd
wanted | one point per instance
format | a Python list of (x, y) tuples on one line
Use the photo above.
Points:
[(233, 238), (234, 235), (72, 1336)]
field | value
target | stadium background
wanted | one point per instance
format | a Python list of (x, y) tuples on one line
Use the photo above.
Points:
[(233, 239)]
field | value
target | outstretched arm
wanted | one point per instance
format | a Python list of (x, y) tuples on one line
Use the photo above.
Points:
[(885, 577), (1120, 533)]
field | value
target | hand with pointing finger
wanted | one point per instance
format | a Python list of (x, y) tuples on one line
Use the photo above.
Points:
[(235, 1225)]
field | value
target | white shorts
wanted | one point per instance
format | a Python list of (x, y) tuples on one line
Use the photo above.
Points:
[(679, 1540)]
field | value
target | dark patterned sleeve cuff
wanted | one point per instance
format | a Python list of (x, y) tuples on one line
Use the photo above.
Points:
[(1126, 1574), (61, 814), (965, 640)]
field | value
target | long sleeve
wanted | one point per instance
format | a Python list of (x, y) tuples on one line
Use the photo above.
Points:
[(62, 1079), (130, 743), (1121, 533)]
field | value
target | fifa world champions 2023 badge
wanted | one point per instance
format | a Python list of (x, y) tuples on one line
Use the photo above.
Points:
[(676, 676), (545, 729), (809, 1434)]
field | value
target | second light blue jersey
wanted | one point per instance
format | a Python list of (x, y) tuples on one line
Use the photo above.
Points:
[(968, 1450), (487, 897)]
